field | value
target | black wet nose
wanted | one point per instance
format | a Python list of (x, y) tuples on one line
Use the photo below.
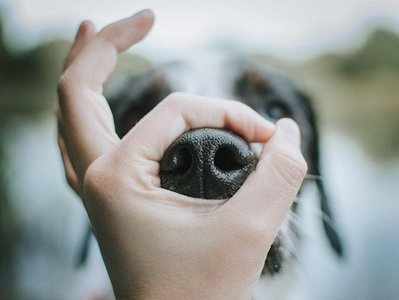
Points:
[(207, 163)]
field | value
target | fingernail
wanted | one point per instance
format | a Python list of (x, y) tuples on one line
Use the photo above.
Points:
[(80, 29), (85, 23), (289, 129), (144, 13), (84, 27)]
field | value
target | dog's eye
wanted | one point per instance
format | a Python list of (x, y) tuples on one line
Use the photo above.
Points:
[(276, 110)]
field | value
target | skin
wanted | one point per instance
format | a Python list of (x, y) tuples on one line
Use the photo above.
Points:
[(157, 244)]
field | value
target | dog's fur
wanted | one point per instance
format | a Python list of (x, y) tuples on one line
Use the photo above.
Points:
[(267, 92)]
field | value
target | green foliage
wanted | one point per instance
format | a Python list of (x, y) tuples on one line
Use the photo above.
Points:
[(380, 52), (357, 92), (28, 79)]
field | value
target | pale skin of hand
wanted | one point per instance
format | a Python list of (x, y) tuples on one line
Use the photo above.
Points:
[(157, 244)]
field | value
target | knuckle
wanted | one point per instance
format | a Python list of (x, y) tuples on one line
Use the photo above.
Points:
[(96, 179), (103, 178), (290, 165), (65, 84)]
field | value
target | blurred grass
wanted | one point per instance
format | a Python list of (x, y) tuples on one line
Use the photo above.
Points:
[(357, 92), (29, 79)]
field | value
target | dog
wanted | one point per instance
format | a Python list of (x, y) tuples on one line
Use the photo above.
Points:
[(269, 93)]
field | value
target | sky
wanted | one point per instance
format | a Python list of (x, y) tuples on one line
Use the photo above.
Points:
[(294, 29)]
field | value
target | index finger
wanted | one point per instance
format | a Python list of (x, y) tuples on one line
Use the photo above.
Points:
[(181, 112), (97, 59), (85, 32), (86, 116)]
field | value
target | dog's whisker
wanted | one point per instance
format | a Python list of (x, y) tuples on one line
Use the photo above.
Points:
[(296, 199), (324, 217), (293, 217), (289, 245), (303, 230), (290, 236), (313, 177)]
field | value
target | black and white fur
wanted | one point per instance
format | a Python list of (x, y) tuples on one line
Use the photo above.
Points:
[(267, 92)]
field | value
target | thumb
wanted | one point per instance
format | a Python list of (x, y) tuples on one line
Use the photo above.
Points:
[(268, 192)]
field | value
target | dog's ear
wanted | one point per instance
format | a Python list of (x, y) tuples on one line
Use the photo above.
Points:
[(264, 84), (328, 220)]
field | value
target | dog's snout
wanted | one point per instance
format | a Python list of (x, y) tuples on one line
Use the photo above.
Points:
[(207, 163)]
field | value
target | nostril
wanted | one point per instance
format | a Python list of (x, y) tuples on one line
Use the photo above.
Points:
[(182, 161), (227, 158), (206, 163)]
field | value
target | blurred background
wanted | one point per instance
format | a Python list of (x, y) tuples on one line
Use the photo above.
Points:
[(344, 52)]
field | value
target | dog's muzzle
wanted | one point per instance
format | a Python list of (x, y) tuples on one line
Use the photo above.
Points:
[(207, 163)]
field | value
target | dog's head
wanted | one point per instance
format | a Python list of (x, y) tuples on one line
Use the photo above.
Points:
[(267, 92)]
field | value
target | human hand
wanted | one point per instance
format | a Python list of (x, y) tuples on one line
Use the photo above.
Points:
[(157, 244)]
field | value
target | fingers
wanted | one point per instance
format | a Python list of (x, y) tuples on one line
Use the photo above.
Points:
[(84, 34), (88, 129), (268, 192), (129, 31), (97, 60), (181, 112), (87, 120)]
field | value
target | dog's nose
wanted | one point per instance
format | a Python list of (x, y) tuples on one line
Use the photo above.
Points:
[(207, 163)]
